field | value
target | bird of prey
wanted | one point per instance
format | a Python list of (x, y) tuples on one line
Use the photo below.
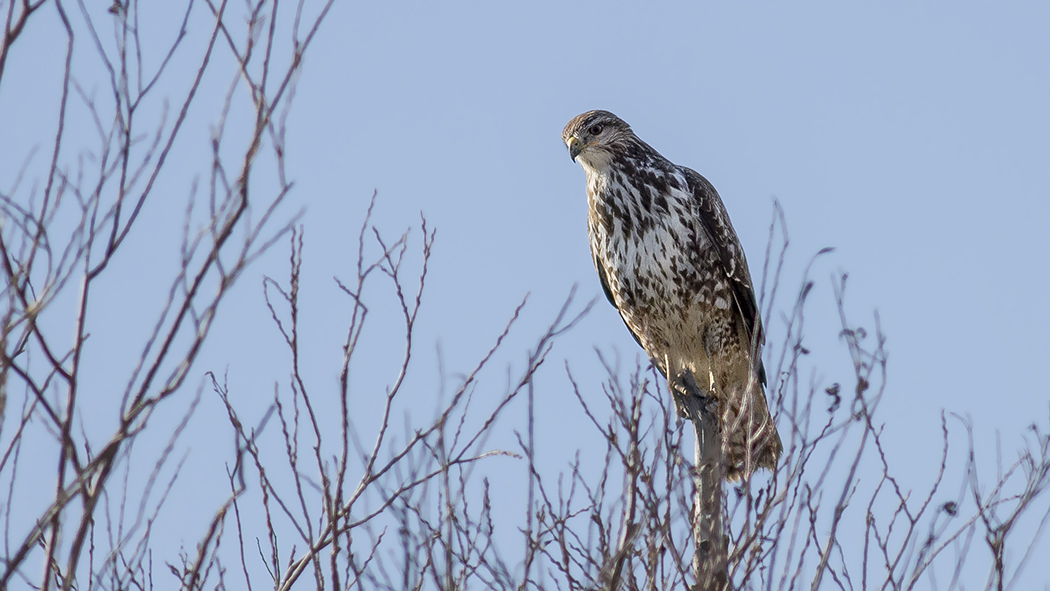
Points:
[(672, 265)]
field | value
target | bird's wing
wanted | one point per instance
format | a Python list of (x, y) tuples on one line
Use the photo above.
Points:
[(714, 220), (609, 294), (605, 281)]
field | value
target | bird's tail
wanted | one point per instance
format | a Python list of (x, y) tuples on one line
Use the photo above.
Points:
[(749, 434)]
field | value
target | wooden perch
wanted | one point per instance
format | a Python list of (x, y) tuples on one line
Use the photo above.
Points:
[(709, 561)]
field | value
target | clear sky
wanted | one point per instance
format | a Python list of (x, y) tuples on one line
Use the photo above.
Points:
[(914, 137)]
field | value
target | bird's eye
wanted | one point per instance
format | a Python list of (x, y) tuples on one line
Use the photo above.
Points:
[(596, 129)]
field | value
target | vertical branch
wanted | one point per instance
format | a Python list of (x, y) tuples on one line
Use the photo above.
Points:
[(530, 456), (710, 557), (709, 561)]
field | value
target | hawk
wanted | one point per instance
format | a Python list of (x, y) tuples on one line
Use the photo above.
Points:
[(672, 265)]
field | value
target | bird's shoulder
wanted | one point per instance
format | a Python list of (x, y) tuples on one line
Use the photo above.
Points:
[(709, 211)]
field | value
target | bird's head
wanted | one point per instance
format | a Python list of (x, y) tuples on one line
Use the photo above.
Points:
[(591, 136)]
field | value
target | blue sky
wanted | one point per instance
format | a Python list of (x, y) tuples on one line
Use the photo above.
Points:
[(912, 137)]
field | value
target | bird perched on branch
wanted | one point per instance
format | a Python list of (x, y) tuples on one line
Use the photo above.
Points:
[(671, 263)]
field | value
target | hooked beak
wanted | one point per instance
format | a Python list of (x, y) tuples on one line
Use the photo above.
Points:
[(575, 147)]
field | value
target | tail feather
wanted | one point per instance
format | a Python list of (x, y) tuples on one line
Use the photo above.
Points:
[(750, 436)]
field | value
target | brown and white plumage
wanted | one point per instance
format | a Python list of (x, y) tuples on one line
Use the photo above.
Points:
[(671, 263)]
